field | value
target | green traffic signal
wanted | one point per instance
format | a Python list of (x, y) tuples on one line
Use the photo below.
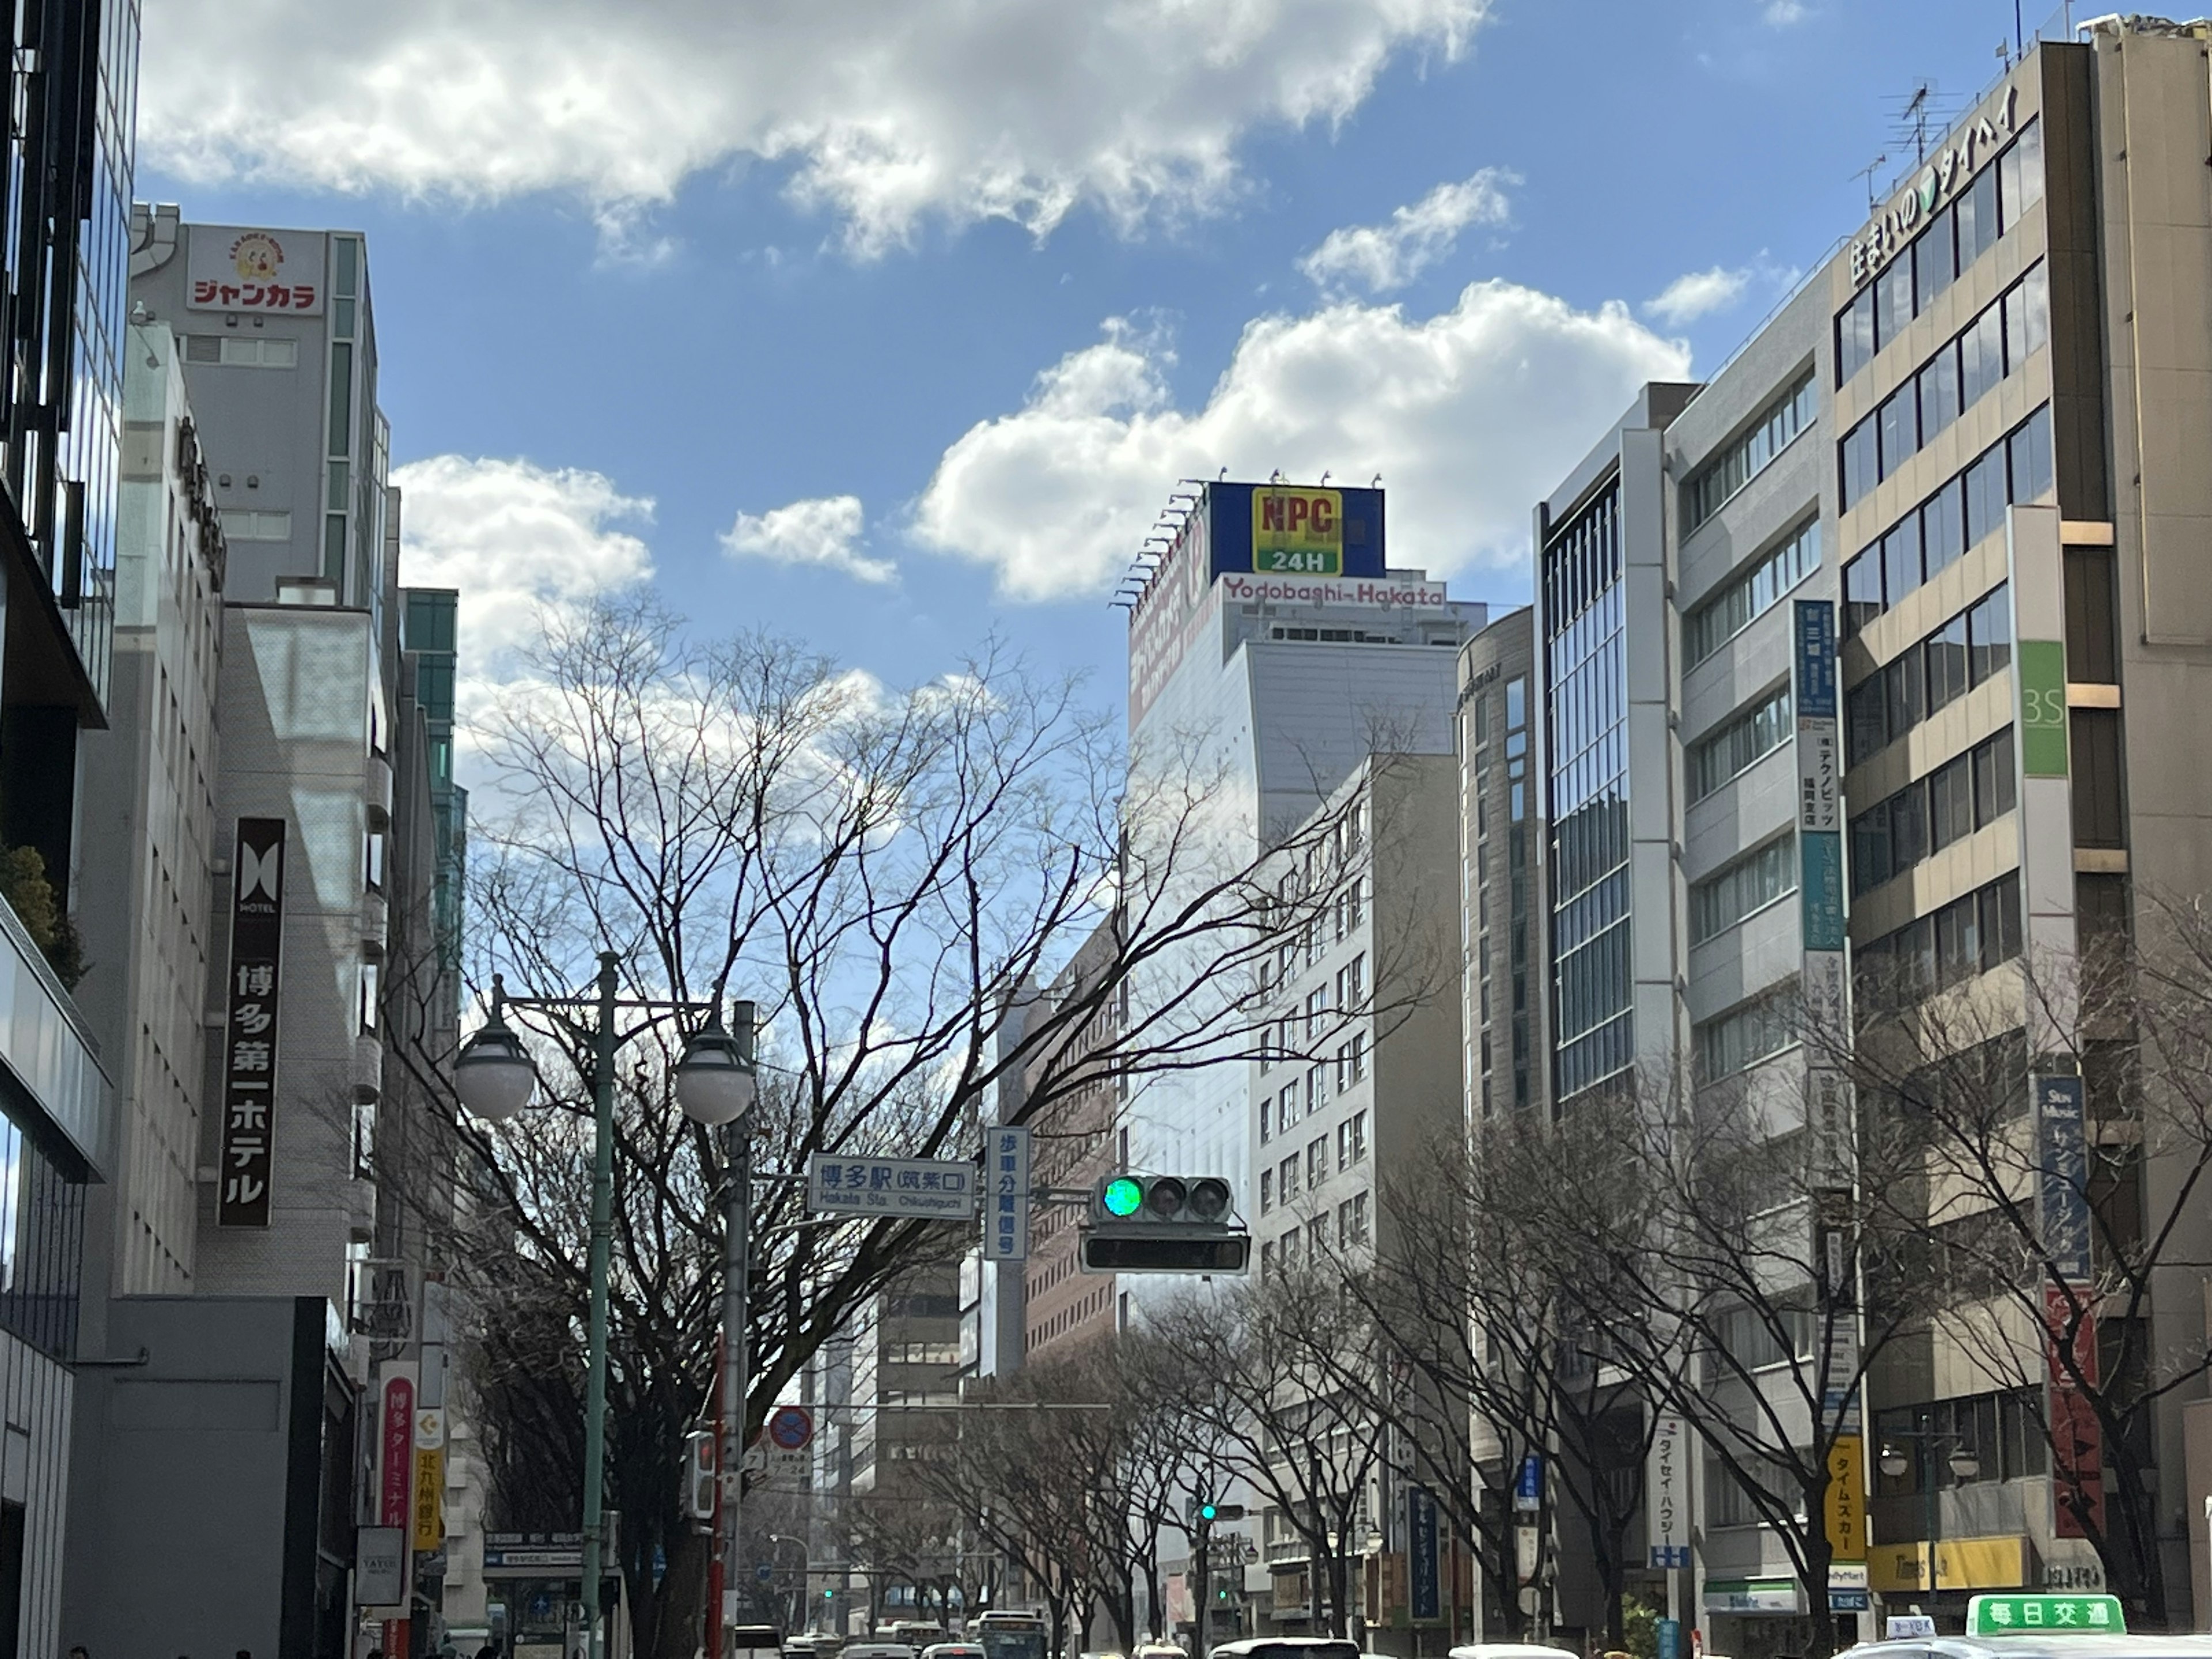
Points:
[(1208, 1512), (1123, 1196)]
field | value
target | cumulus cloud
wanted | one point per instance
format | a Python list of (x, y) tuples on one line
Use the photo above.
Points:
[(1698, 293), (885, 112), (1471, 414), (1380, 257), (518, 541), (825, 531)]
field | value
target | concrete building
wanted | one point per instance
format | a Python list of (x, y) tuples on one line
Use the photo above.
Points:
[(1502, 872), (1971, 439), (1076, 1143), (62, 253), (1358, 1085), (1275, 671)]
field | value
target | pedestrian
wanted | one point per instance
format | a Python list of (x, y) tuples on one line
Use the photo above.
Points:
[(489, 1650)]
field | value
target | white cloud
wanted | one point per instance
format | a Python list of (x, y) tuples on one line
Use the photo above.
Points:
[(887, 112), (518, 541), (1698, 293), (823, 531), (1380, 257), (1471, 415), (1780, 14)]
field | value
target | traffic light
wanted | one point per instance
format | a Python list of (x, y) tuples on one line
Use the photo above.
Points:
[(1164, 1225), (699, 1461)]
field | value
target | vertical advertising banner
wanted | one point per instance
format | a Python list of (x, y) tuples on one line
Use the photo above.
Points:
[(1425, 1591), (249, 1050), (2077, 1438), (429, 1503), (1667, 1496), (1006, 1219), (1820, 892)]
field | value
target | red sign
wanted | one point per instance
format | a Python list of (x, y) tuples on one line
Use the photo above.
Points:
[(2077, 1438), (790, 1427), (396, 1453)]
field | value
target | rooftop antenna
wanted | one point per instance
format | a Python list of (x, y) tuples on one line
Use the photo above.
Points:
[(1868, 172)]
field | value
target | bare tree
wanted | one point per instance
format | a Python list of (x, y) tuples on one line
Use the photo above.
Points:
[(1280, 1417), (2013, 1204), (884, 873)]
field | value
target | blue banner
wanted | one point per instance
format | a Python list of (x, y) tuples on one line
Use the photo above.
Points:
[(1821, 881), (1421, 1568), (1816, 659)]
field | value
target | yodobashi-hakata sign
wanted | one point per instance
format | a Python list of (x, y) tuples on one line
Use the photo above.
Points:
[(891, 1186), (1948, 172), (230, 267), (249, 1050), (1240, 589), (1298, 531)]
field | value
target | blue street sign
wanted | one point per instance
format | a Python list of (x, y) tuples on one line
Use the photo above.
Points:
[(1670, 1638), (1528, 1490), (764, 1572)]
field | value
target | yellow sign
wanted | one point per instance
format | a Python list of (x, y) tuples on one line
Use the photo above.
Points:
[(1297, 532), (1999, 1562), (1845, 1504), (429, 1499)]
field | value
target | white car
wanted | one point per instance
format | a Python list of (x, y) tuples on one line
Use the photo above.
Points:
[(1513, 1650), (1288, 1647)]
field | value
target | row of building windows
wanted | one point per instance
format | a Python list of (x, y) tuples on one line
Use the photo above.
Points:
[(1965, 229), (1966, 937), (1279, 1185), (1302, 1098), (1775, 429), (1752, 594), (242, 350), (1928, 675), (1742, 1038), (1351, 1232), (1739, 745), (1929, 813), (1746, 887), (1935, 535), (1996, 343)]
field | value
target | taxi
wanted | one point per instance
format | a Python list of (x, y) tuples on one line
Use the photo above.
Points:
[(2029, 1626)]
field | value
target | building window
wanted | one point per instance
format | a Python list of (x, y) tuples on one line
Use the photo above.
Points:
[(239, 525), (1929, 813), (1925, 542), (1286, 1178), (372, 862), (41, 1245), (1740, 745), (1953, 239), (1751, 595), (1316, 1162), (1958, 656), (1743, 1037), (1359, 1137), (1266, 1191), (1771, 433), (1969, 936), (1750, 884), (1317, 1238), (1267, 1257), (242, 350)]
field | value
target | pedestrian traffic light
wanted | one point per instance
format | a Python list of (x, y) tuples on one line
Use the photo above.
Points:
[(699, 1460), (1142, 1224)]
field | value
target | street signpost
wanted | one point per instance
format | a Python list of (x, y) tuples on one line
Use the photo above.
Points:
[(938, 1187), (1007, 1173)]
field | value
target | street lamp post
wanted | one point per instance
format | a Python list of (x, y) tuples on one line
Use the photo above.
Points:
[(1964, 1465), (715, 1084)]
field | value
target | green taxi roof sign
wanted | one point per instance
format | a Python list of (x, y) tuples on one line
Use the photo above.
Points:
[(2045, 1615)]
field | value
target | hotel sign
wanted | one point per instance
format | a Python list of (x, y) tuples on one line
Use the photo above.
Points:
[(249, 1050), (1947, 174)]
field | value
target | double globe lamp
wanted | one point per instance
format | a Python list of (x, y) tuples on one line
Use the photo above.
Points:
[(496, 1080)]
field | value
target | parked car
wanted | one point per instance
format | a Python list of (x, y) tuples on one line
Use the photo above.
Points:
[(1513, 1650), (1288, 1647), (953, 1651)]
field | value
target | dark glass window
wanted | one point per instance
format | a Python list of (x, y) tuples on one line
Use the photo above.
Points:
[(1934, 260), (1867, 712), (1892, 299), (1988, 635), (1977, 214), (1981, 357), (1861, 592), (1860, 459), (1950, 803), (1907, 689), (1938, 387), (2030, 451), (2092, 654), (1855, 336), (2095, 765), (1995, 790), (41, 1245), (1942, 532), (1985, 492), (1898, 421), (1946, 653), (1901, 570)]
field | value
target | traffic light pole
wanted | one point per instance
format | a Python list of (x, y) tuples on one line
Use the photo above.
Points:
[(736, 1232), (1201, 1599)]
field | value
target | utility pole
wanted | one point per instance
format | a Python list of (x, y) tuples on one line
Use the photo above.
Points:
[(736, 1268), (602, 1227)]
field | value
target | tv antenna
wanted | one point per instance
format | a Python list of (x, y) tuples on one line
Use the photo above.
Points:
[(1868, 172)]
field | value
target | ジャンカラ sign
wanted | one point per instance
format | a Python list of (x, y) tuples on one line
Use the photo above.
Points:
[(249, 1050), (230, 267)]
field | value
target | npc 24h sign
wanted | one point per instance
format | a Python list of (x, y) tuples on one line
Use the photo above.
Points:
[(891, 1186)]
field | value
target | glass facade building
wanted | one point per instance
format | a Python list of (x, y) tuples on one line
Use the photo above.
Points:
[(1586, 739)]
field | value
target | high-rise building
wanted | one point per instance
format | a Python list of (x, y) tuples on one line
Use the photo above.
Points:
[(1502, 865), (1882, 645), (1272, 651), (71, 85)]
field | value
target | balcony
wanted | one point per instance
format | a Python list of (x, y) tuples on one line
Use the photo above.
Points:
[(47, 1049)]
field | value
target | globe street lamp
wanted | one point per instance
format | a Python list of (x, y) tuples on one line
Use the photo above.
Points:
[(1896, 1459), (714, 1086)]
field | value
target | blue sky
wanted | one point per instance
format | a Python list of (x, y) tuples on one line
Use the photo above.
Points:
[(729, 260)]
